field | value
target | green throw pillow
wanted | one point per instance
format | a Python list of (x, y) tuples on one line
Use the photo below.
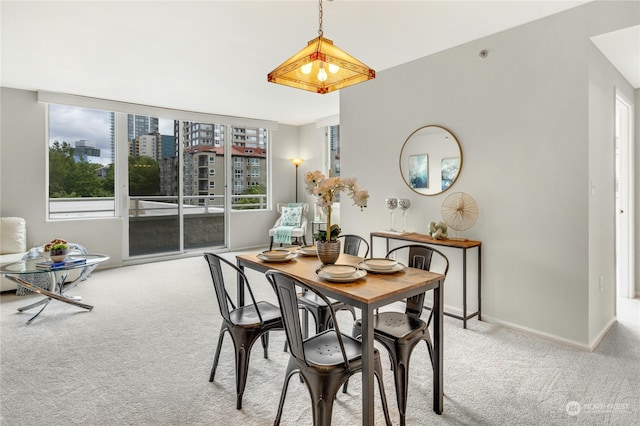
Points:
[(291, 216)]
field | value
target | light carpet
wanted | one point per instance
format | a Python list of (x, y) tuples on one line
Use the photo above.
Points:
[(143, 357)]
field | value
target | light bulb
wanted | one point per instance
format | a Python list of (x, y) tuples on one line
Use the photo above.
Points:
[(322, 74), (306, 68), (333, 68)]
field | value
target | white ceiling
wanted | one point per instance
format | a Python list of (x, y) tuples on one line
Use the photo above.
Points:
[(622, 48), (214, 56)]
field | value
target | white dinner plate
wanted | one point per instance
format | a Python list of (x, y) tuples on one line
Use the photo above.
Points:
[(396, 268), (356, 276), (276, 253), (339, 271), (379, 264), (307, 251), (276, 259)]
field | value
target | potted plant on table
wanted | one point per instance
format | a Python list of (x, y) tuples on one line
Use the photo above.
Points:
[(58, 250), (326, 190)]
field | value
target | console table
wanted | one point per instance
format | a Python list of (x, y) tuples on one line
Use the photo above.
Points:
[(463, 245)]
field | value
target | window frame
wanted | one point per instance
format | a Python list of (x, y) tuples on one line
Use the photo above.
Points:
[(122, 110)]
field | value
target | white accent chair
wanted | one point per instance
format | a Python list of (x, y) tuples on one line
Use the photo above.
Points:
[(297, 232)]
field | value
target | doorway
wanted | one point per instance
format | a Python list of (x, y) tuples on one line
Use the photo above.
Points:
[(625, 251)]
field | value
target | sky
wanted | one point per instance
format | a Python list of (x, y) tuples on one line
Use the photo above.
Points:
[(70, 124)]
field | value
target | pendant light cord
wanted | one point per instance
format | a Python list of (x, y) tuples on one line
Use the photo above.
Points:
[(320, 20)]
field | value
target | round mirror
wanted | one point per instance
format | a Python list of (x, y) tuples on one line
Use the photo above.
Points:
[(430, 160)]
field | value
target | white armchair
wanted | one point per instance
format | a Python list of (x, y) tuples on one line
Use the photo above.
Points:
[(285, 230)]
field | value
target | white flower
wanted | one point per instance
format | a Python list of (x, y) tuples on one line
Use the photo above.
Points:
[(360, 198), (326, 189)]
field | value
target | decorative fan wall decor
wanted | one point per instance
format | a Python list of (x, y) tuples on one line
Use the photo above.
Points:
[(460, 212)]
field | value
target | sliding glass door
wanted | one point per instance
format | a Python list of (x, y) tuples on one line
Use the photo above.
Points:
[(176, 186)]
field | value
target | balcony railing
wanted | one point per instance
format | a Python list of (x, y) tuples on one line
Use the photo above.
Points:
[(80, 208)]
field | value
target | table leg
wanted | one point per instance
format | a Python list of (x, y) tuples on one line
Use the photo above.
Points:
[(33, 305), (50, 295), (438, 340), (368, 363), (479, 283), (464, 288)]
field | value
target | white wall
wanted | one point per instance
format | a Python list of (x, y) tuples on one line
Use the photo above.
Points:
[(523, 118), (23, 191)]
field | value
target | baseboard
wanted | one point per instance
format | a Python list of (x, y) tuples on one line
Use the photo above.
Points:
[(594, 344), (535, 333), (450, 309)]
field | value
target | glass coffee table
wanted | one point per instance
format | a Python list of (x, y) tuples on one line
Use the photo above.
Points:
[(20, 271)]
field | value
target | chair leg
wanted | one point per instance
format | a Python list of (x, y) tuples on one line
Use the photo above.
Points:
[(270, 243), (400, 362), (323, 393), (217, 357), (283, 396), (265, 344), (430, 348), (356, 332), (242, 367), (401, 376), (383, 395)]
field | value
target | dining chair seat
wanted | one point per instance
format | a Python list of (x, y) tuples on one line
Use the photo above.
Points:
[(247, 316)]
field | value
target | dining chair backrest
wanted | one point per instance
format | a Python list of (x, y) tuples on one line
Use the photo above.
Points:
[(419, 257), (284, 286), (353, 243), (225, 301)]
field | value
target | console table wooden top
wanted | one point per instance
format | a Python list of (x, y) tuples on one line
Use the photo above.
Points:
[(426, 239)]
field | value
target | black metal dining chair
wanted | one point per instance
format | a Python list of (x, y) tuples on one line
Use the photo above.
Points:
[(324, 361), (352, 245), (246, 324), (400, 332)]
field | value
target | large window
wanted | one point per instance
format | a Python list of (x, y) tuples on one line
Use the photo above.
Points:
[(81, 162), (182, 174)]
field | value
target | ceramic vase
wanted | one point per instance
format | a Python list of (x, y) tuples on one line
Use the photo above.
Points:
[(328, 251)]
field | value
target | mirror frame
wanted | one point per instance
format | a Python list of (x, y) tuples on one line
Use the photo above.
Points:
[(402, 156)]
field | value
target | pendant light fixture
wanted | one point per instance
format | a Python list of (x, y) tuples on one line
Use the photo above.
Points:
[(321, 67)]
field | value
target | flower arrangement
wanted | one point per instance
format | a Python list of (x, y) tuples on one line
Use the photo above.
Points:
[(326, 189), (57, 244)]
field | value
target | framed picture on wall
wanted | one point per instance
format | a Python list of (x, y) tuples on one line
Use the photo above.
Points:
[(419, 171), (450, 167)]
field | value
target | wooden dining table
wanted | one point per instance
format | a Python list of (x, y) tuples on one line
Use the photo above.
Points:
[(368, 293)]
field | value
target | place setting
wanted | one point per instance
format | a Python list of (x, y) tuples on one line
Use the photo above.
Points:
[(276, 255), (339, 273), (381, 266), (307, 251)]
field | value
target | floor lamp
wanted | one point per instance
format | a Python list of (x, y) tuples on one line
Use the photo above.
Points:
[(296, 162)]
